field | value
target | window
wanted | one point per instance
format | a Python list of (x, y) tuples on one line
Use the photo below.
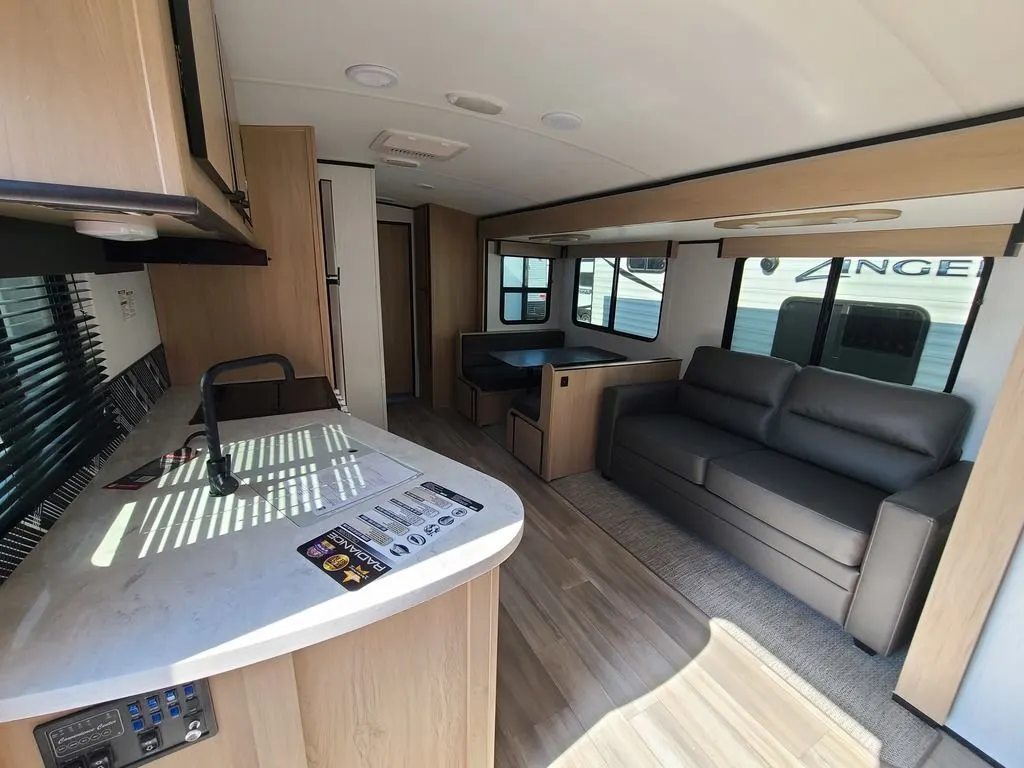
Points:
[(525, 290), (52, 417), (611, 296), (904, 320), (650, 264)]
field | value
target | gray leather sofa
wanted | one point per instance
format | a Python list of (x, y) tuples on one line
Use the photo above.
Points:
[(840, 489)]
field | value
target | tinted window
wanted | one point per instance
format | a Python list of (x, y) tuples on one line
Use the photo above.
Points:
[(894, 319), (525, 290), (610, 296)]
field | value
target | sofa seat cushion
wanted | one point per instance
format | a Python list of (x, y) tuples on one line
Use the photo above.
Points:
[(829, 512), (497, 378), (678, 443)]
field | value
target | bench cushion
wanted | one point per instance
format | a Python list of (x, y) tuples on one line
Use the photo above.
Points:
[(528, 404), (677, 443), (826, 511), (497, 378)]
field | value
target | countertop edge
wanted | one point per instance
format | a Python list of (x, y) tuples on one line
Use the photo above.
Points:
[(75, 697)]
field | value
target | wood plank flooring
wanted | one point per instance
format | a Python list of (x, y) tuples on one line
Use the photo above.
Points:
[(603, 665)]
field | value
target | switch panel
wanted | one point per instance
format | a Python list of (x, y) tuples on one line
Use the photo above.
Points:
[(131, 731)]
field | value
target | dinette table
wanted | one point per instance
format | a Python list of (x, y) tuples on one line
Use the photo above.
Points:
[(530, 359)]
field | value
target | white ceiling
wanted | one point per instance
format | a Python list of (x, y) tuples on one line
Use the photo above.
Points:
[(977, 209), (665, 87)]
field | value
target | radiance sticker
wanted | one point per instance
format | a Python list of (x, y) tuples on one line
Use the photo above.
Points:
[(375, 541)]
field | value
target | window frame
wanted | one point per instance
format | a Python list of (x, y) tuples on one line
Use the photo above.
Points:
[(614, 300), (525, 290), (828, 303)]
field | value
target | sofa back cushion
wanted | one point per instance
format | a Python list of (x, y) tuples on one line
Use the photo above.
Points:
[(886, 435), (477, 347), (736, 391)]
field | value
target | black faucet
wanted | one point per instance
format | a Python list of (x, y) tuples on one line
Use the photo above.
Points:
[(218, 466)]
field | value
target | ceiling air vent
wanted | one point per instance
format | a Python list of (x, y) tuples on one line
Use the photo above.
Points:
[(400, 162), (416, 146)]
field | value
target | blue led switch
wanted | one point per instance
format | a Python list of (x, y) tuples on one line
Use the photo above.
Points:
[(133, 709), (190, 691), (137, 724), (174, 710), (153, 702), (157, 717), (171, 696)]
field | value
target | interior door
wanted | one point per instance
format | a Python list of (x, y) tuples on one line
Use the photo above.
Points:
[(394, 245)]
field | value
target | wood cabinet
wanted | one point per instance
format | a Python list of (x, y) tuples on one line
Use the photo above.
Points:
[(94, 117), (211, 313), (447, 297)]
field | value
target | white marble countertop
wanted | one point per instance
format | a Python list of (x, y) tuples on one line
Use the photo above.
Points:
[(107, 606)]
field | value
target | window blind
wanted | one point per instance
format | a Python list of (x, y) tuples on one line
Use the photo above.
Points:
[(53, 412)]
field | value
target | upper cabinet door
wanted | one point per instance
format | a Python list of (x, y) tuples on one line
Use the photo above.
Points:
[(202, 88)]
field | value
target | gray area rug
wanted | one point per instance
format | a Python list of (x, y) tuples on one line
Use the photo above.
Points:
[(811, 652)]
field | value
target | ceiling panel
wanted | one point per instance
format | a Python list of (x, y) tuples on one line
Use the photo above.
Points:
[(665, 88)]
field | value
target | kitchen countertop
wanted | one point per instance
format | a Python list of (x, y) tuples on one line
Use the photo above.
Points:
[(111, 604)]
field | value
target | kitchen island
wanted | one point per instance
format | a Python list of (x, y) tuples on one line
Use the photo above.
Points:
[(312, 654)]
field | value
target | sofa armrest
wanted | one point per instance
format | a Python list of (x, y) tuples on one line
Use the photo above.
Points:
[(626, 400), (903, 553)]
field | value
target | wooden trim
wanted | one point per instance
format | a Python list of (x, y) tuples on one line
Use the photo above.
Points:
[(981, 544), (464, 395), (482, 666), (569, 415), (528, 442), (491, 407), (652, 250), (940, 241), (207, 313), (976, 159), (536, 250), (272, 699), (454, 286)]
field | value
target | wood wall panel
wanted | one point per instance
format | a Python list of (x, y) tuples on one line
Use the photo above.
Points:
[(976, 159), (455, 264), (570, 414), (395, 693), (981, 543), (100, 63), (394, 247), (941, 241), (212, 313), (416, 689)]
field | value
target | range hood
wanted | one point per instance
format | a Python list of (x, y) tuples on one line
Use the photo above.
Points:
[(33, 214)]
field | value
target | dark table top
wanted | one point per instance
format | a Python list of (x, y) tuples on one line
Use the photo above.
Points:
[(537, 358)]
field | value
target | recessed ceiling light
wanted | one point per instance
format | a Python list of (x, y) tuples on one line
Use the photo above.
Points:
[(423, 185), (813, 219), (562, 121), (565, 237), (372, 75), (475, 102)]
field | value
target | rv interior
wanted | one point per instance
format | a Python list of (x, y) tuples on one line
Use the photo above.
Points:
[(511, 384)]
